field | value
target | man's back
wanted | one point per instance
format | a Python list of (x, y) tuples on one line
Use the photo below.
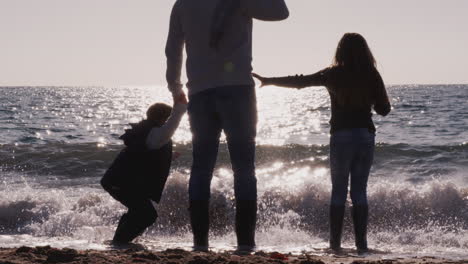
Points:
[(218, 39), (230, 62)]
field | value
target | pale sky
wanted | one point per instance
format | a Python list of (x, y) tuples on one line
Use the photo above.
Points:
[(121, 42)]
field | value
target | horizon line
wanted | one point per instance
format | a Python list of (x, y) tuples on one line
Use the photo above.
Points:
[(153, 85)]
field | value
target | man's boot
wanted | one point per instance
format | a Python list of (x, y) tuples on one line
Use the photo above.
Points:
[(246, 219)]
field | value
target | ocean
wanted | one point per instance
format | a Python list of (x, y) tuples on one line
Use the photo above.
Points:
[(56, 143)]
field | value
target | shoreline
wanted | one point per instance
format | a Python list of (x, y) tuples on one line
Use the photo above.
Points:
[(47, 254)]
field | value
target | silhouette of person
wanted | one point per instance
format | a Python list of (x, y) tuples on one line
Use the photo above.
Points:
[(138, 174), (217, 35), (355, 87)]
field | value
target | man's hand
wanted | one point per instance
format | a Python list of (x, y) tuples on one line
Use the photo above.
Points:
[(180, 99)]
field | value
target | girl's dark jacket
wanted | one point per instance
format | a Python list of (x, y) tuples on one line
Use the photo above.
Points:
[(138, 170)]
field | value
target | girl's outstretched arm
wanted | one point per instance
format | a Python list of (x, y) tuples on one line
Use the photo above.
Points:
[(297, 81)]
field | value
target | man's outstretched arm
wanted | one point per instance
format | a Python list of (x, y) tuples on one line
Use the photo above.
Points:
[(174, 52), (268, 10)]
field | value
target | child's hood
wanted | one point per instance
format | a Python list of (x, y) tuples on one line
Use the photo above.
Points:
[(136, 135)]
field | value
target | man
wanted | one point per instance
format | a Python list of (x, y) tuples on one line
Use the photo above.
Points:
[(217, 35)]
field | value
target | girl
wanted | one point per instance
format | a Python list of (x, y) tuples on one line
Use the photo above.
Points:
[(355, 87)]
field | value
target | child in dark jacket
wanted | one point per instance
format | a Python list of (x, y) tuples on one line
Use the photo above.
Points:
[(137, 176)]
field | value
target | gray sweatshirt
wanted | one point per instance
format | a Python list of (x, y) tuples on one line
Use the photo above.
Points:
[(207, 67)]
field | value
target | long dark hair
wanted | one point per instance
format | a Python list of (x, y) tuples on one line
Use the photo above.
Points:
[(358, 75)]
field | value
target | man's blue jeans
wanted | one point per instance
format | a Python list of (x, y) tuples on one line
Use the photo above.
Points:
[(351, 153), (234, 110)]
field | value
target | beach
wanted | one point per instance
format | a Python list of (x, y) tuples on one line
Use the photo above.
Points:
[(344, 126), (46, 254)]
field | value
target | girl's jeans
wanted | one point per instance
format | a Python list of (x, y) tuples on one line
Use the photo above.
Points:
[(351, 154)]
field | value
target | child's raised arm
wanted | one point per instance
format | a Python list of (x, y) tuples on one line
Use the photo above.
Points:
[(297, 81), (160, 136)]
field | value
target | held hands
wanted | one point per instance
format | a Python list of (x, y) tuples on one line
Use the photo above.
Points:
[(180, 98), (263, 80)]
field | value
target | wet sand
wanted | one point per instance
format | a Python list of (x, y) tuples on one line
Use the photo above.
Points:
[(47, 254)]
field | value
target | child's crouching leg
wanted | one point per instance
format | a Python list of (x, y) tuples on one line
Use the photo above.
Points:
[(135, 221)]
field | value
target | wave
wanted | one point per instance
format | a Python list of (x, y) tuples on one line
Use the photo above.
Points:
[(91, 160), (396, 210), (293, 190)]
